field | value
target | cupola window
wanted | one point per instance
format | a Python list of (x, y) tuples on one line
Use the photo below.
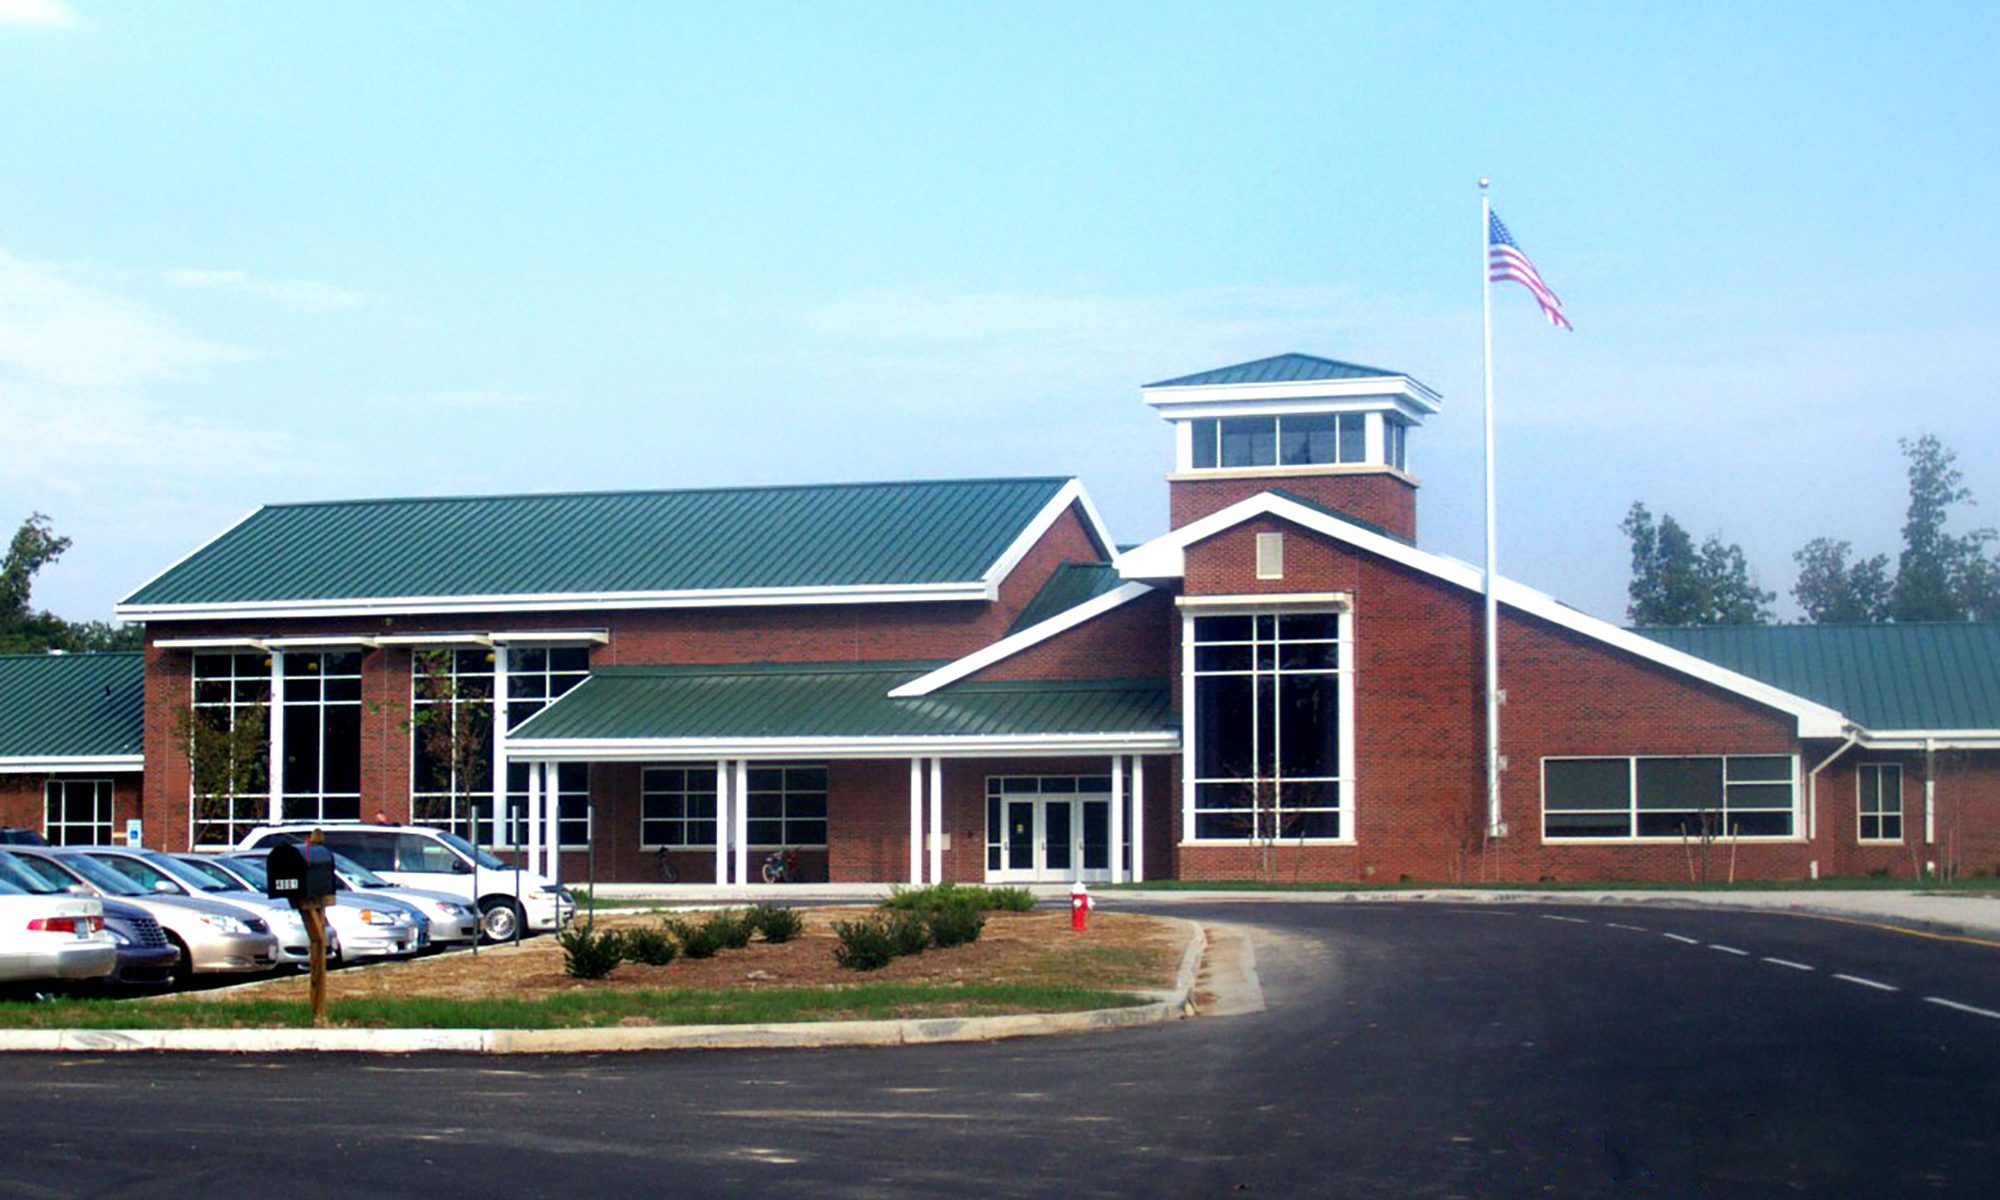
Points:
[(1302, 439)]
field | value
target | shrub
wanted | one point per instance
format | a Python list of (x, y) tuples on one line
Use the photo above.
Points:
[(908, 933), (590, 953), (939, 896), (653, 945), (731, 928), (696, 940), (777, 924), (865, 945), (955, 926), (1010, 899)]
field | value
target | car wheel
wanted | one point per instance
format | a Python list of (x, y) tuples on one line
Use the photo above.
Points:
[(499, 920), (183, 971)]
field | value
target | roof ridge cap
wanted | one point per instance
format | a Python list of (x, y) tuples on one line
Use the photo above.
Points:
[(855, 485)]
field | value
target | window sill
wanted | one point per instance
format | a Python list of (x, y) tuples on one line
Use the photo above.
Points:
[(1673, 841), (1286, 843)]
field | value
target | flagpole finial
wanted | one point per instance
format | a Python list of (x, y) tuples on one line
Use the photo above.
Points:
[(1484, 183)]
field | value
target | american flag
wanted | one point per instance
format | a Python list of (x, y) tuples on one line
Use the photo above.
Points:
[(1504, 260)]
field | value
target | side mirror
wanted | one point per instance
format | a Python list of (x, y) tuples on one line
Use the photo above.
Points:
[(78, 889), (166, 887), (460, 867)]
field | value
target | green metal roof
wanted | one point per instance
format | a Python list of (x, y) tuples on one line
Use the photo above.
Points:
[(831, 535), (1339, 515), (71, 705), (1882, 677), (1070, 584), (1280, 368), (839, 701)]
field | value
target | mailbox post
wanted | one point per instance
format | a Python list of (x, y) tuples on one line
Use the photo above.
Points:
[(302, 872)]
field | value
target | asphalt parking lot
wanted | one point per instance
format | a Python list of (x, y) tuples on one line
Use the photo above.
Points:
[(1405, 1050)]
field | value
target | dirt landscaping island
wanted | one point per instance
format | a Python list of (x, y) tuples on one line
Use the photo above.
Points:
[(1024, 962)]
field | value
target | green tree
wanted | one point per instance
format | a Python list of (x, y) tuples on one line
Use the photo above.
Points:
[(23, 630), (1932, 564), (1832, 589), (1675, 582)]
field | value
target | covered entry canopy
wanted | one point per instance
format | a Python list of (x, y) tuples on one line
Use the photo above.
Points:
[(735, 715)]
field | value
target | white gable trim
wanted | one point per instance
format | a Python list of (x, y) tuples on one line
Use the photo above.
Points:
[(1033, 635), (1070, 493), (1166, 558), (70, 764)]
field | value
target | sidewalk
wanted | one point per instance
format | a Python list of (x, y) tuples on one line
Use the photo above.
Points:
[(1954, 913)]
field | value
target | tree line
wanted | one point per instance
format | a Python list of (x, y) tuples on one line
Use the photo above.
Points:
[(1937, 576), (26, 630)]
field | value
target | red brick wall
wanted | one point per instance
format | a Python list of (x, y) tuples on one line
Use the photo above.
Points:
[(1133, 640), (22, 799), (1420, 779), (802, 633), (1382, 497)]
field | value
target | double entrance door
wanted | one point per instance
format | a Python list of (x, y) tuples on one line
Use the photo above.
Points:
[(1052, 839)]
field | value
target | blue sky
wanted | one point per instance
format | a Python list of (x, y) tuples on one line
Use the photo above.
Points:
[(255, 252)]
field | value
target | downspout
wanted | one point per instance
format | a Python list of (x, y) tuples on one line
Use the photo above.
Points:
[(1812, 788), (1930, 793)]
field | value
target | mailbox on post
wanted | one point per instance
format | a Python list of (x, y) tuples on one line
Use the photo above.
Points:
[(299, 872)]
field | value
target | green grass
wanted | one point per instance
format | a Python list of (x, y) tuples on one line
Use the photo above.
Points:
[(672, 1006), (1975, 885)]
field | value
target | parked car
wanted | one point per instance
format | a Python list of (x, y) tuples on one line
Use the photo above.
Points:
[(164, 875), (510, 900), (448, 919), (355, 929), (145, 957), (12, 836), (51, 938), (212, 937)]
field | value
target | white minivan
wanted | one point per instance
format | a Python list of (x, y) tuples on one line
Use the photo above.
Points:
[(511, 901)]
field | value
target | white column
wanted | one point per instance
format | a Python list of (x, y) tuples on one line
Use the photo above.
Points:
[(552, 813), (1138, 818), (501, 812), (937, 820), (1930, 793), (741, 811), (1117, 818), (275, 725), (1189, 751), (534, 816), (916, 821), (722, 821)]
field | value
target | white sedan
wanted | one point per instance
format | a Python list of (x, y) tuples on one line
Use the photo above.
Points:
[(52, 939)]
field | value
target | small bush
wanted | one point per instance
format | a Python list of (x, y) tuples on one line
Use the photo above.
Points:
[(1010, 899), (941, 896), (775, 923), (590, 953), (731, 928), (865, 945), (696, 940), (955, 926), (908, 933), (653, 945)]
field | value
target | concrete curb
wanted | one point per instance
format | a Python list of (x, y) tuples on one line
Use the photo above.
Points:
[(1804, 906), (1166, 1007)]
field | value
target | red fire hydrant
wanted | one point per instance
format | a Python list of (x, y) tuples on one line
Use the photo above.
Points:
[(1080, 904)]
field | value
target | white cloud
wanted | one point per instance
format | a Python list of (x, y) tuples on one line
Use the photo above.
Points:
[(45, 14), (58, 328), (295, 293)]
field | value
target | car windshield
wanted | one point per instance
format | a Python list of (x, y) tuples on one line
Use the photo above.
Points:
[(360, 875), (472, 852), (253, 870), (8, 889), (21, 877), (210, 877), (99, 876), (152, 863)]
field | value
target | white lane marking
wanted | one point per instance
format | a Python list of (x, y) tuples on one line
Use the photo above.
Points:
[(1786, 962), (1880, 987), (1571, 920), (1982, 1012), (1729, 949), (1684, 940), (1633, 928)]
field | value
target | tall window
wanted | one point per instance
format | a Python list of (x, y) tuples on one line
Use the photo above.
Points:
[(1268, 722), (1670, 798), (229, 728), (1303, 439), (77, 812), (1881, 801), (536, 678), (451, 772), (787, 806), (677, 807), (322, 778)]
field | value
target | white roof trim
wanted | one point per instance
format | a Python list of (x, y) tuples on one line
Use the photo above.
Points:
[(308, 642), (1369, 387), (250, 610), (1165, 557), (595, 637), (1935, 739), (659, 749), (1070, 493), (434, 639), (63, 763), (1033, 635), (209, 643)]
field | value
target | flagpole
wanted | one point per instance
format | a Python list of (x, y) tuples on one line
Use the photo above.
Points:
[(1495, 827)]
